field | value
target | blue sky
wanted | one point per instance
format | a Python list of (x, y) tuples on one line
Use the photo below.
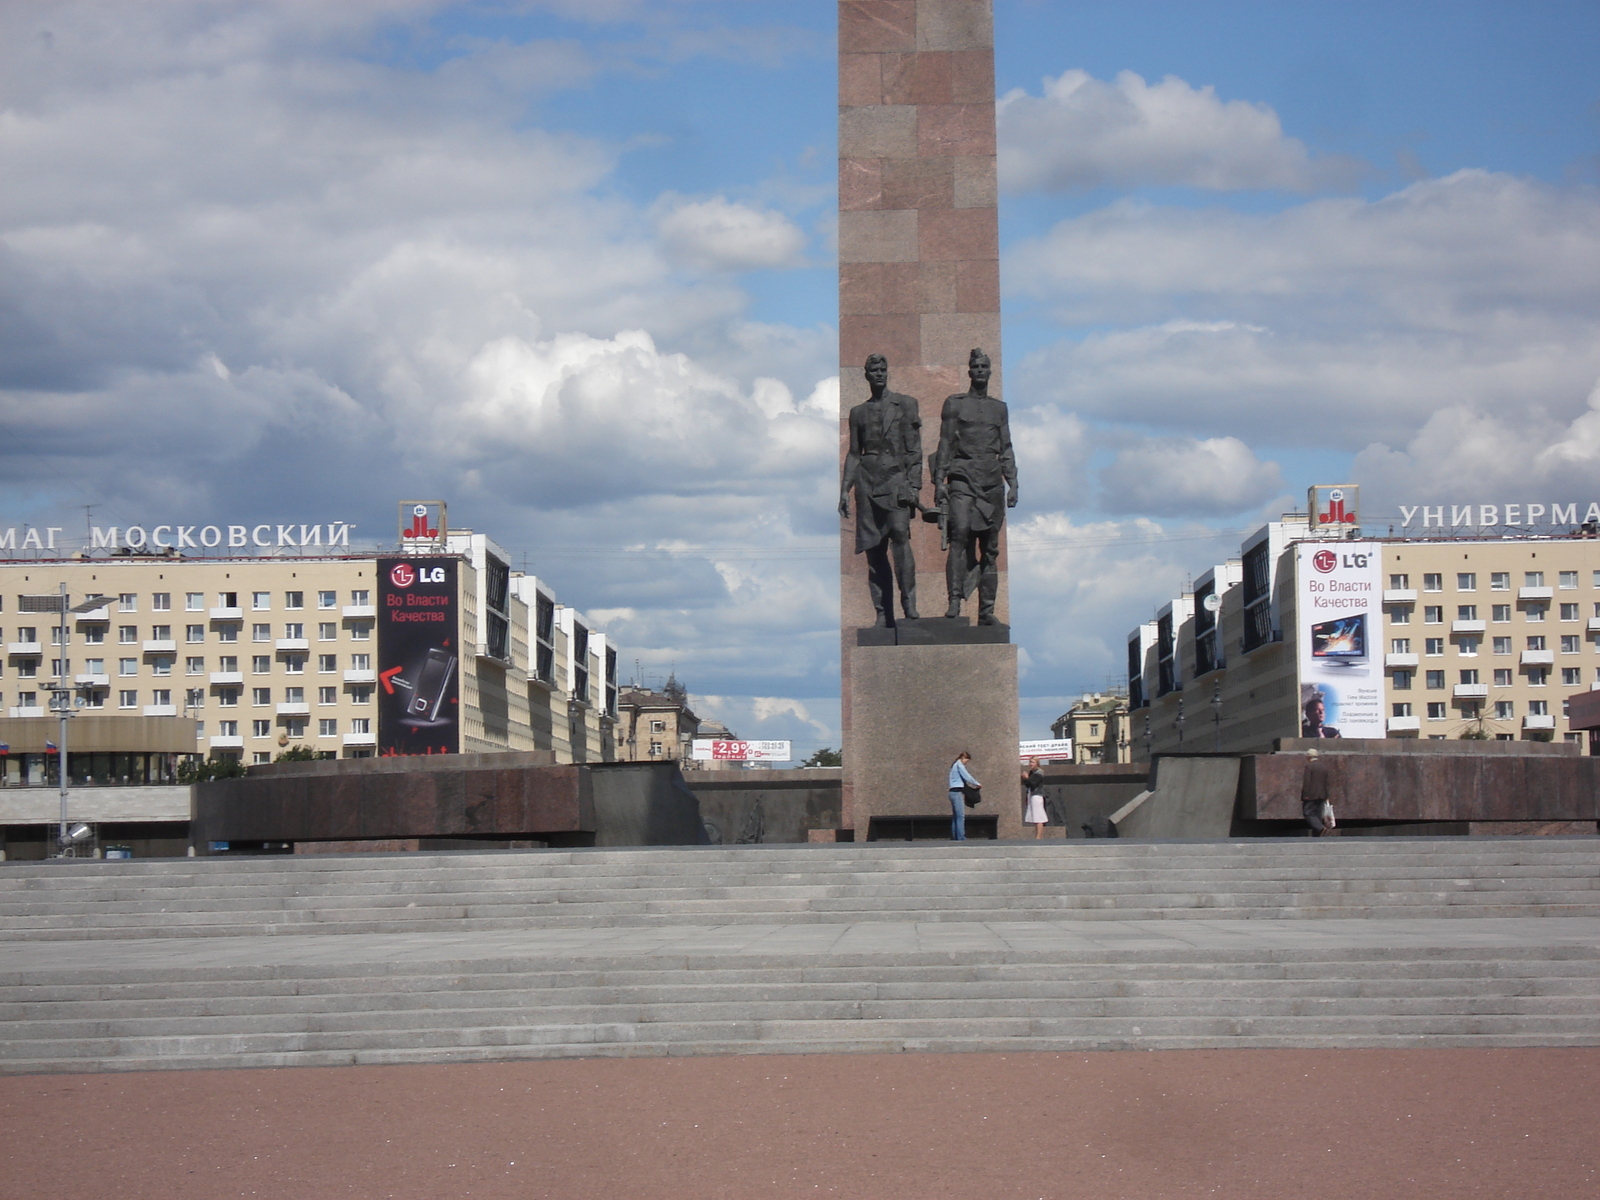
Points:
[(569, 264)]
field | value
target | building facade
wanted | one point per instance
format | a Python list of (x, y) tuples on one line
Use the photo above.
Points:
[(1307, 635), (245, 657), (1098, 728)]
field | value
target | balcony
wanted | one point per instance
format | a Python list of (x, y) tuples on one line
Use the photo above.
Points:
[(1405, 725), (360, 739), (27, 710), (1594, 624), (1468, 626), (98, 681), (226, 677), (160, 710), (24, 648), (1399, 596), (95, 616), (293, 708), (1399, 660), (1471, 691), (366, 675), (227, 614), (1536, 593), (293, 644), (1539, 721), (161, 646), (359, 610), (1538, 658), (227, 741)]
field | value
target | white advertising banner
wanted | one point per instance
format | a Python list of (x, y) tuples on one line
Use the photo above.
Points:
[(1339, 610), (1049, 748), (709, 750)]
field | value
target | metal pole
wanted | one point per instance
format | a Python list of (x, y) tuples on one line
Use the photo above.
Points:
[(1216, 710), (61, 700)]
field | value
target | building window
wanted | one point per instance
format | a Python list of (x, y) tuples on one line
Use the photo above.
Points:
[(1399, 645), (127, 666), (161, 633), (327, 695), (260, 601), (360, 597), (1469, 676), (361, 662), (1505, 710), (228, 697), (1402, 709), (1536, 611), (1400, 615), (194, 633), (194, 666), (161, 601), (1466, 612), (1500, 581), (1402, 681), (161, 697), (1572, 676), (227, 728), (1433, 614), (1533, 579), (260, 664), (1502, 645), (94, 699), (1432, 582), (360, 724), (658, 726), (1500, 612), (261, 633), (327, 599), (1536, 642), (126, 634), (1569, 612), (127, 699), (194, 602), (1436, 680), (1433, 647), (228, 663), (295, 727), (1538, 708), (294, 664), (361, 630), (294, 599), (94, 666), (361, 695), (1570, 643), (327, 631), (1568, 579), (294, 631), (127, 602), (260, 757), (1468, 647), (260, 728), (1399, 583), (1436, 710), (261, 697), (328, 727), (227, 633), (1538, 676), (655, 749), (161, 665), (1502, 677), (327, 663), (1466, 581), (95, 636)]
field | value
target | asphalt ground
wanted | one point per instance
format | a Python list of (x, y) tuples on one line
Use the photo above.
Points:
[(1113, 1125)]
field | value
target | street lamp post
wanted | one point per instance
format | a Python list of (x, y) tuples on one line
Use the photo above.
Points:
[(62, 693), (1216, 710)]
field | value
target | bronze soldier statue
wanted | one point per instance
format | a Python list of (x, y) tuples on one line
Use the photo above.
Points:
[(884, 466), (972, 470)]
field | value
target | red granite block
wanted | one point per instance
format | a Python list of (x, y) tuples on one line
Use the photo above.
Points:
[(936, 288), (867, 25), (923, 78), (924, 183), (896, 336), (955, 129), (978, 285), (958, 234), (971, 76), (861, 184), (861, 79)]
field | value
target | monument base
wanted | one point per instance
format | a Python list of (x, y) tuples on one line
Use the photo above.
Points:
[(913, 710)]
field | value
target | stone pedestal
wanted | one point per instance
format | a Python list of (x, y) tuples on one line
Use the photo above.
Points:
[(914, 709)]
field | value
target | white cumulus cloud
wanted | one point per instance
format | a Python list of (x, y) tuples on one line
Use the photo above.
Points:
[(719, 234), (1185, 477)]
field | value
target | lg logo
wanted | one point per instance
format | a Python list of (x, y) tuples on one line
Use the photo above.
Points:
[(1322, 560), (403, 575)]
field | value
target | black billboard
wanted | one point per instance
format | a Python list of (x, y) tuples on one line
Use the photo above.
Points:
[(419, 710)]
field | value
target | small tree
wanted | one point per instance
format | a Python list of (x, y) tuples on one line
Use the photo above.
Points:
[(297, 754), (825, 757), (203, 770)]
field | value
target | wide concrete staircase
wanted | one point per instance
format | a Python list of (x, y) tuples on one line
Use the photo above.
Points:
[(887, 946)]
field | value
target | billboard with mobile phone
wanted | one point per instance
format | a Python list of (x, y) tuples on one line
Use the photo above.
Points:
[(1339, 612), (419, 677)]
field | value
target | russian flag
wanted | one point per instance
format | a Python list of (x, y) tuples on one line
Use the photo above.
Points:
[(4, 748), (50, 748)]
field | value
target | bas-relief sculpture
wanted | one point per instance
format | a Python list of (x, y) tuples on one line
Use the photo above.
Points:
[(884, 466), (974, 478)]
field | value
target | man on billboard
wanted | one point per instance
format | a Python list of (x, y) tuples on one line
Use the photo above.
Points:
[(1313, 712)]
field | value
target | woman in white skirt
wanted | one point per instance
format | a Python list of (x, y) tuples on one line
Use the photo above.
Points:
[(1033, 793)]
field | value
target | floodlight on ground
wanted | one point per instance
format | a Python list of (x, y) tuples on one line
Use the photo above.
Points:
[(77, 833)]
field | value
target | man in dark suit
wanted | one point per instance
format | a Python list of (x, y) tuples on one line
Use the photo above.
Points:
[(1312, 727)]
